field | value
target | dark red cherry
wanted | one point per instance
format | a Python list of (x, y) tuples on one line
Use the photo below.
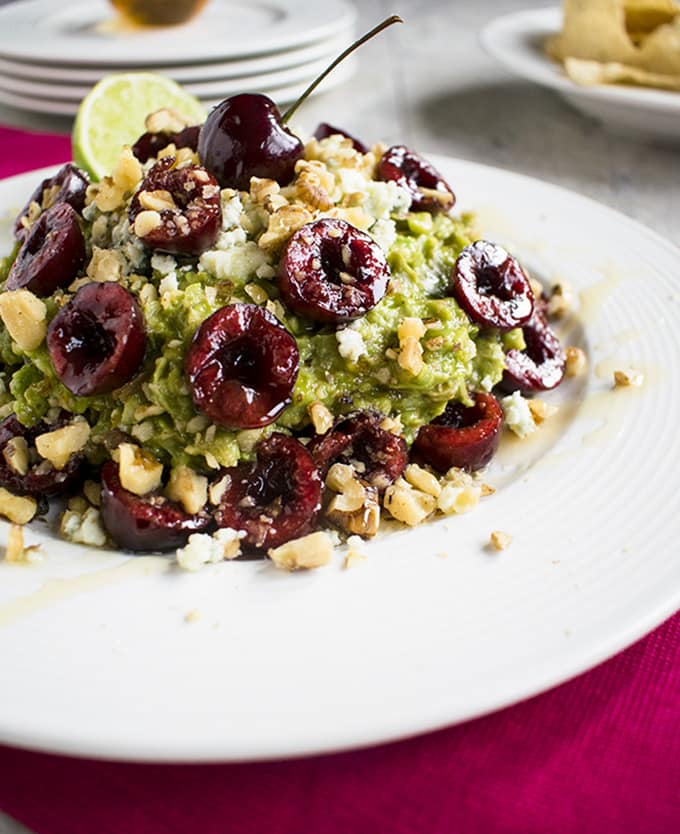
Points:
[(68, 185), (359, 438), (244, 137), (192, 224), (241, 366), (324, 130), (97, 340), (41, 478), (540, 366), (274, 499), (152, 522), (149, 144), (428, 189), (463, 436), (491, 286), (52, 253), (332, 272)]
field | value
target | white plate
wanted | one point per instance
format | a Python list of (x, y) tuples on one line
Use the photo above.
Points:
[(433, 628), (516, 40), (219, 87), (79, 33), (198, 71), (285, 93)]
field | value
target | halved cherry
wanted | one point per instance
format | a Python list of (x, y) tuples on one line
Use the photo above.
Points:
[(40, 478), (463, 436), (332, 272), (241, 366), (149, 144), (97, 340), (359, 438), (428, 189), (540, 366), (68, 185), (324, 130), (52, 253), (152, 522), (274, 499), (189, 204), (491, 286)]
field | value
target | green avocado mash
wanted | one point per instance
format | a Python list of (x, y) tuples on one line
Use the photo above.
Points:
[(156, 406)]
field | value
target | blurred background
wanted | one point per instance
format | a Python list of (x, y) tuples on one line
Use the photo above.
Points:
[(429, 84)]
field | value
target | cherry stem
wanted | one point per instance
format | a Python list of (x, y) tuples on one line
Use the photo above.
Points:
[(341, 57)]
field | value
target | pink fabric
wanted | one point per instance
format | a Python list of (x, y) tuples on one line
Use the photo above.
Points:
[(21, 150), (598, 754)]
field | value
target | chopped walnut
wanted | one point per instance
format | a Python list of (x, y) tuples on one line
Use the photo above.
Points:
[(283, 223), (422, 479), (166, 120), (500, 540), (576, 361), (561, 301), (314, 185), (541, 410), (410, 356), (158, 200), (24, 315), (321, 417), (188, 488), (628, 377), (105, 265), (312, 551), (126, 175), (146, 221), (139, 472), (16, 455), (354, 215), (356, 506), (60, 445), (19, 509), (408, 505)]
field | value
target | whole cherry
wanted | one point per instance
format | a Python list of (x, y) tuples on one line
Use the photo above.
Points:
[(246, 136)]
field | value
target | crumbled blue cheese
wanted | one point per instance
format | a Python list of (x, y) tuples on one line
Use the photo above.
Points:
[(230, 238), (163, 264), (231, 208), (351, 344), (384, 233), (518, 416), (238, 262), (202, 549), (384, 198), (83, 528)]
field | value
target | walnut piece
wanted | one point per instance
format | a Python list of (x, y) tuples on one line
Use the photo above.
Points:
[(24, 316), (312, 551), (139, 471)]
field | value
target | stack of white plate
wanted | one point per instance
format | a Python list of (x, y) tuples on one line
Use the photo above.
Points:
[(52, 52)]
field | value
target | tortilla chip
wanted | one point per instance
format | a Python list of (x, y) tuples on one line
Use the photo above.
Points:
[(643, 16), (589, 73), (638, 41)]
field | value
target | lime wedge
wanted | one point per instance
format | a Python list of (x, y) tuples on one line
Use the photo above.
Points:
[(112, 115)]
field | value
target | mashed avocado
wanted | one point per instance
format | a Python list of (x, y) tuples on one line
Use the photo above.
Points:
[(357, 367)]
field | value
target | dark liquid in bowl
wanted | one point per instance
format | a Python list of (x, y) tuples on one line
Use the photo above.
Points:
[(158, 12)]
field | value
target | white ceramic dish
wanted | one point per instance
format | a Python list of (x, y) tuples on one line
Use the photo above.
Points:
[(280, 93), (193, 72), (101, 659), (516, 41), (304, 73), (81, 33)]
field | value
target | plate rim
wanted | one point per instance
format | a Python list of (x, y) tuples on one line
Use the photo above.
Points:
[(605, 646), (340, 15)]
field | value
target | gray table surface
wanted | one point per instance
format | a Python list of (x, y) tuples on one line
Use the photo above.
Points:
[(429, 85)]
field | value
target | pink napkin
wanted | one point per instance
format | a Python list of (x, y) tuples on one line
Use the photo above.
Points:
[(23, 151), (599, 754)]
